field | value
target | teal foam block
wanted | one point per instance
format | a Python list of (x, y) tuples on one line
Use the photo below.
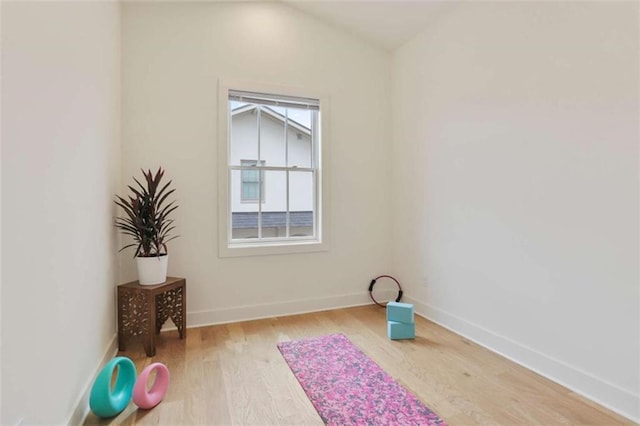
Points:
[(401, 330), (400, 312)]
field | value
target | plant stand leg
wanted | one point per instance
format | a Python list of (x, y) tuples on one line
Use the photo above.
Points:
[(149, 341)]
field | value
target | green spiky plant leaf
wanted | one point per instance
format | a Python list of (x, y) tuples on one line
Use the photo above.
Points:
[(146, 218)]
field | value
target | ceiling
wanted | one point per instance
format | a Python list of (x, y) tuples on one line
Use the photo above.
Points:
[(386, 23)]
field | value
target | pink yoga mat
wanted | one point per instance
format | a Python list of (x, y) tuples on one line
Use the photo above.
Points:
[(348, 388)]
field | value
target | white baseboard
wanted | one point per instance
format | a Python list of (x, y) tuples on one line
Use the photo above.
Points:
[(604, 393), (270, 310), (81, 409)]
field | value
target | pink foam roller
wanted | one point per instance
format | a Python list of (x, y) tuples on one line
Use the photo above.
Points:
[(149, 399)]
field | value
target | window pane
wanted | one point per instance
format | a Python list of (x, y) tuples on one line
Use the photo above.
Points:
[(301, 207), (250, 191), (244, 216), (272, 144), (243, 132), (250, 176), (275, 209), (299, 136), (251, 182)]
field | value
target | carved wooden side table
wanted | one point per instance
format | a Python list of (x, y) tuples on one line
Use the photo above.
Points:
[(142, 309)]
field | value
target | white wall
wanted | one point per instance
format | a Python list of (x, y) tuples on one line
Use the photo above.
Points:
[(60, 151), (173, 56), (516, 186)]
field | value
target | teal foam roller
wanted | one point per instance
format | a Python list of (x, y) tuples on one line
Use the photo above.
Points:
[(401, 330), (400, 312)]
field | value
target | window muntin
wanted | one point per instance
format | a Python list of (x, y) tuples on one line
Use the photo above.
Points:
[(281, 134)]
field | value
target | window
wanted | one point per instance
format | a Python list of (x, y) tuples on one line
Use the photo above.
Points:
[(252, 188), (272, 146)]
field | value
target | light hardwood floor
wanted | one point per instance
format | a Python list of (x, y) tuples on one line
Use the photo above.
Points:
[(234, 374)]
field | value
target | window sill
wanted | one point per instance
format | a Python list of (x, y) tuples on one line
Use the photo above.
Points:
[(276, 248)]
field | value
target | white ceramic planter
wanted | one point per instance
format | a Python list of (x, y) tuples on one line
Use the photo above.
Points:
[(152, 270)]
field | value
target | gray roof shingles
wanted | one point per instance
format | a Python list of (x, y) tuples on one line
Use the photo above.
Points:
[(270, 219)]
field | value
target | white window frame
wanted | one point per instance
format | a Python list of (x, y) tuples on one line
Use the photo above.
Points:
[(227, 248)]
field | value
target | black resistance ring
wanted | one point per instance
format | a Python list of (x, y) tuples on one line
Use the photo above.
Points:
[(373, 282)]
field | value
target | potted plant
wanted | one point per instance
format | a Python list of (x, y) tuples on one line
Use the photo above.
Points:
[(147, 221)]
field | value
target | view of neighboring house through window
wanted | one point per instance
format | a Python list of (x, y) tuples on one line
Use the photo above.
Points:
[(273, 168)]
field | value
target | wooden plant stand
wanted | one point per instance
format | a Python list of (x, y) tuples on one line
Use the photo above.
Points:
[(143, 309)]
